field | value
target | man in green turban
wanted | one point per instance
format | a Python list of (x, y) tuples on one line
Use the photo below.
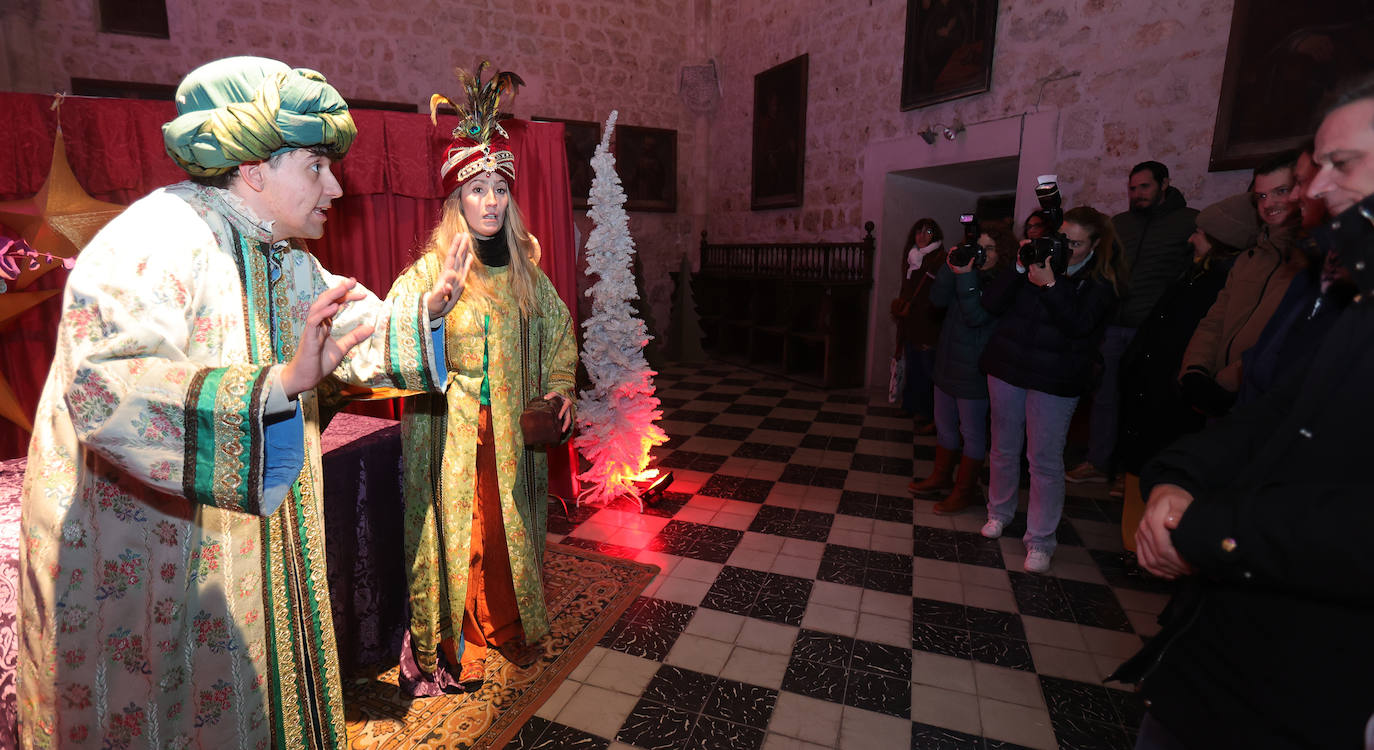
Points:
[(173, 589)]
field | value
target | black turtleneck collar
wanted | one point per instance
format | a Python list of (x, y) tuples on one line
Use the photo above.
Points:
[(494, 252)]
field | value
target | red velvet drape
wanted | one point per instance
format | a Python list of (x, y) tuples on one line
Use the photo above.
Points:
[(392, 197)]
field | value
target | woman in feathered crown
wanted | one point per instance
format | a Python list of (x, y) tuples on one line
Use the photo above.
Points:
[(476, 494)]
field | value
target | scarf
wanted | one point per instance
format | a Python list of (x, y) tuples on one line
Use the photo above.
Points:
[(917, 255)]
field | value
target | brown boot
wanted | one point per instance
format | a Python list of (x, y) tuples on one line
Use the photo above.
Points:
[(965, 492), (941, 477)]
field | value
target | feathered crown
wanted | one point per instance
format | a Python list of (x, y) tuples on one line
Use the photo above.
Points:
[(480, 144)]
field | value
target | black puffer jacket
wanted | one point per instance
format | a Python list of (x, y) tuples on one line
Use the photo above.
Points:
[(1154, 252), (968, 326), (1153, 412), (1047, 339)]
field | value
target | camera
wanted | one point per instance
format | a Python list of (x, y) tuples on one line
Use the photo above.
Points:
[(1053, 247), (969, 249)]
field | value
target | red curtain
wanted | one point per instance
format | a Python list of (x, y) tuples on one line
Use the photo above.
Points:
[(392, 197)]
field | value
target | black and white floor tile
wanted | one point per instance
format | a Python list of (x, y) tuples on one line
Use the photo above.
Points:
[(807, 601)]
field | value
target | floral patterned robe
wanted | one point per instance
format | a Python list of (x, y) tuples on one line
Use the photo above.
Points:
[(440, 433), (173, 590)]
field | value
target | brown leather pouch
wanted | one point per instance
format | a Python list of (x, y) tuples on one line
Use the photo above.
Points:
[(539, 422)]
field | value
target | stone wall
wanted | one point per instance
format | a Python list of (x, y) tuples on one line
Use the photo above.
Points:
[(579, 59), (1131, 80)]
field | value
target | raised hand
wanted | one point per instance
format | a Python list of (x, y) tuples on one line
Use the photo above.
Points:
[(453, 274), (318, 352)]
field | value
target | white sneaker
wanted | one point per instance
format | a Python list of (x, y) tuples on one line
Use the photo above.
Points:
[(1037, 561), (993, 528)]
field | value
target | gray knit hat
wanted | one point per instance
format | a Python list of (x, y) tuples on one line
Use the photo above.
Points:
[(1231, 220)]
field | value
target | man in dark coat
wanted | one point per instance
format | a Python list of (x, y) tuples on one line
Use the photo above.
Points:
[(1264, 517), (1155, 251)]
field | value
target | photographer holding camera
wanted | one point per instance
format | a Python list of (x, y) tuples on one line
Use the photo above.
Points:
[(1042, 357), (1265, 516), (961, 390)]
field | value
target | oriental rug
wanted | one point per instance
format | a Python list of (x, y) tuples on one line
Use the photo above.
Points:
[(586, 593)]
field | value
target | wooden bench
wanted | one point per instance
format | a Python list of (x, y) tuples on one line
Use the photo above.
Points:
[(799, 310)]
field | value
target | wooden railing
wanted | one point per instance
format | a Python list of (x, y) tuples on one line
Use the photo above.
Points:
[(815, 261)]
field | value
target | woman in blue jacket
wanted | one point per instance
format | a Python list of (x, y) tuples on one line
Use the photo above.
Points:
[(1041, 358), (961, 389)]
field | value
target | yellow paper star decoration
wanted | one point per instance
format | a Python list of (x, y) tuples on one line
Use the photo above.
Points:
[(59, 220)]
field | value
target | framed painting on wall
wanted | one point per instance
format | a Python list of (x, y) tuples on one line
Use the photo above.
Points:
[(779, 156), (948, 51), (646, 159), (1282, 59), (579, 138)]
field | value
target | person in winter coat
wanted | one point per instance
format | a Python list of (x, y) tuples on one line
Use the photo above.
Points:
[(918, 324), (1154, 252), (961, 390), (1153, 413), (1211, 372), (1041, 358), (1315, 299)]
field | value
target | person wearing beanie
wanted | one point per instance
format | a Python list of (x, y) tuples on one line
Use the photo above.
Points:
[(1153, 410), (1211, 371), (173, 584), (476, 483)]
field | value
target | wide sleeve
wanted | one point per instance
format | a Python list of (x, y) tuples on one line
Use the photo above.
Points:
[(403, 351), (139, 354), (558, 365)]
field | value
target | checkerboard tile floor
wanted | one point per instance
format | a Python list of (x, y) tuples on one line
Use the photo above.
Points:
[(806, 601)]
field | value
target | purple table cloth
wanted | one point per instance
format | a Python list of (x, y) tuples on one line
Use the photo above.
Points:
[(364, 544), (11, 482)]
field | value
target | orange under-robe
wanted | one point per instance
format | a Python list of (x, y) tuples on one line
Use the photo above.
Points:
[(491, 617)]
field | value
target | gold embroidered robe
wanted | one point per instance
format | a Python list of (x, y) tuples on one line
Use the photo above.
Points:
[(172, 570), (440, 448)]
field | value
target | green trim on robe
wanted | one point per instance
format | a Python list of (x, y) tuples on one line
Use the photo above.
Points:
[(157, 612)]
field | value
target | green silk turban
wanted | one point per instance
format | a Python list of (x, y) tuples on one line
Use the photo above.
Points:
[(244, 109)]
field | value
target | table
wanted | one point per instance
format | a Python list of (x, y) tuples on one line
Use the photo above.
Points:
[(364, 542), (11, 482)]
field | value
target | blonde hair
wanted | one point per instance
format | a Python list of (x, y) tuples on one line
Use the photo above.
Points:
[(1102, 232), (524, 254)]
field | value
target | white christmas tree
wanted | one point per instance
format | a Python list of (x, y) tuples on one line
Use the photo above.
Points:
[(617, 416)]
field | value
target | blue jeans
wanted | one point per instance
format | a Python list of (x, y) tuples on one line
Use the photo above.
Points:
[(917, 396), (1039, 421), (965, 418), (1106, 411)]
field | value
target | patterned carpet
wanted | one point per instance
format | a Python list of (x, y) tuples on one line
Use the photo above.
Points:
[(586, 593)]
